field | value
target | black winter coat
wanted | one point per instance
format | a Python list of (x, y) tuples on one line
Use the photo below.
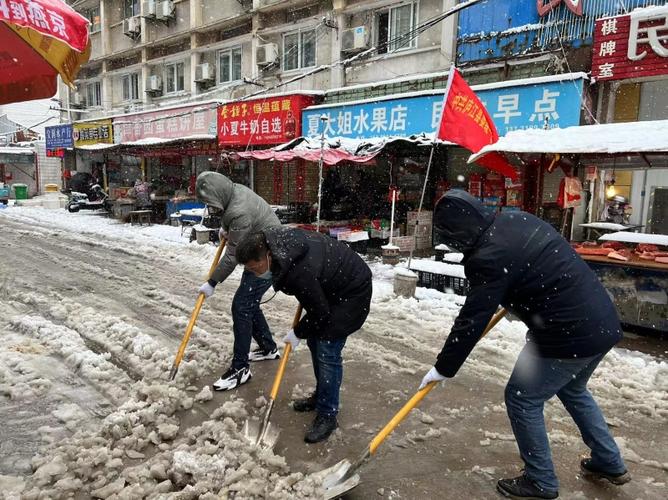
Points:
[(330, 280), (521, 262)]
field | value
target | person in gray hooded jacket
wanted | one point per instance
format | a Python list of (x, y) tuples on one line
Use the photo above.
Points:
[(242, 212)]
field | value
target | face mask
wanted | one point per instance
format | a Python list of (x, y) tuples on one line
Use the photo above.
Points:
[(267, 274)]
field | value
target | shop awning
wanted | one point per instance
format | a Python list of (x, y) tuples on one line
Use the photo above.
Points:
[(642, 138), (336, 149), (153, 145)]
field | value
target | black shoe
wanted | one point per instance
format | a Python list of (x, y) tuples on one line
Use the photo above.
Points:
[(523, 487), (260, 354), (232, 379), (304, 404), (588, 470), (321, 428)]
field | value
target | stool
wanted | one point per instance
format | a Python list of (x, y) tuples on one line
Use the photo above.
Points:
[(140, 217)]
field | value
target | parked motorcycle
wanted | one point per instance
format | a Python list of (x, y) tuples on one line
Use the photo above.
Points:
[(95, 199)]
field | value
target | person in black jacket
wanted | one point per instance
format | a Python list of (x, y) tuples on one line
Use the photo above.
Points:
[(520, 262), (333, 284)]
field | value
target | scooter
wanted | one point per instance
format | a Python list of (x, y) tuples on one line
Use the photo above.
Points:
[(97, 199)]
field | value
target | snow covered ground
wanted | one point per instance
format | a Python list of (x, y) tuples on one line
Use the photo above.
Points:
[(91, 314)]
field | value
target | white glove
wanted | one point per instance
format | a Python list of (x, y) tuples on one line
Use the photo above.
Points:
[(431, 376), (222, 234), (292, 339), (206, 289)]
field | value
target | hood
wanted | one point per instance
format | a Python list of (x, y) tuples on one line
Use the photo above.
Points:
[(460, 219), (287, 246), (214, 189)]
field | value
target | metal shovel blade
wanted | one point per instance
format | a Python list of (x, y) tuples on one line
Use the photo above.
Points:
[(251, 433), (335, 482)]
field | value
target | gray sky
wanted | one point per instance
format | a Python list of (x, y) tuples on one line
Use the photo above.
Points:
[(29, 113)]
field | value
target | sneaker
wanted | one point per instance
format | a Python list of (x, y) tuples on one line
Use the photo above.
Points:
[(523, 487), (232, 379), (304, 404), (590, 471), (260, 354), (321, 428)]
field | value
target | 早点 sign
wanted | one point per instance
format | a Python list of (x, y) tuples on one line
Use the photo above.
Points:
[(58, 137), (272, 120), (548, 103), (93, 133), (631, 46)]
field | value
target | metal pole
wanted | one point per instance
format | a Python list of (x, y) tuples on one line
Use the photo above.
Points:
[(323, 119), (394, 195), (424, 188)]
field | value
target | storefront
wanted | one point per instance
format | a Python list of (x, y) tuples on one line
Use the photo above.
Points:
[(245, 126), (60, 144), (19, 168)]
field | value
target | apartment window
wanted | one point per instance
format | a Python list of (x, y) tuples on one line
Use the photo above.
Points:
[(131, 87), (93, 15), (230, 65), (299, 50), (94, 94), (174, 77), (393, 24), (131, 8)]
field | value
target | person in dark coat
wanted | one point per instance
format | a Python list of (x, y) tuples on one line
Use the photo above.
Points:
[(520, 262), (333, 284)]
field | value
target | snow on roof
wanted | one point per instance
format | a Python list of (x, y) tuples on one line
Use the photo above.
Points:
[(612, 138), (359, 147), (531, 81), (17, 151), (97, 146), (156, 141)]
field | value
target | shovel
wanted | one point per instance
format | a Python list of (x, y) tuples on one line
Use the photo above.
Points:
[(266, 435), (342, 477), (193, 317)]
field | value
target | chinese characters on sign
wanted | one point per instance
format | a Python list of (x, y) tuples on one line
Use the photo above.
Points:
[(262, 121), (58, 137), (631, 46), (58, 21), (93, 133), (171, 124), (551, 104)]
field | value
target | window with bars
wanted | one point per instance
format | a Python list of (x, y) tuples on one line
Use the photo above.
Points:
[(131, 87), (229, 64), (93, 15), (299, 49), (174, 77), (394, 28), (130, 8), (94, 94)]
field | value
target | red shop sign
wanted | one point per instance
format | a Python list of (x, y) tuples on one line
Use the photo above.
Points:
[(271, 120), (631, 46)]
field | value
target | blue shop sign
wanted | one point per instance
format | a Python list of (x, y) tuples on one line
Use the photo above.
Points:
[(59, 136), (551, 104)]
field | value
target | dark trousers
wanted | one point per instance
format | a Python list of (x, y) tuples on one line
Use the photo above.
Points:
[(328, 370), (249, 322)]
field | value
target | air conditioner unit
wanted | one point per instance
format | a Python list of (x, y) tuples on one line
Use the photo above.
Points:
[(149, 8), (266, 54), (204, 72), (78, 99), (132, 26), (354, 39), (165, 10), (154, 84)]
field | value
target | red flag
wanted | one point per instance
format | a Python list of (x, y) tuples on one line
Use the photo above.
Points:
[(466, 122)]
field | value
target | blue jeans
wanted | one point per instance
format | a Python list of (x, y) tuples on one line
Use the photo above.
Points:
[(535, 380), (248, 319), (328, 370)]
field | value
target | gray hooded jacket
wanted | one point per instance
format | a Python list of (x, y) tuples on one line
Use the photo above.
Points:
[(243, 212)]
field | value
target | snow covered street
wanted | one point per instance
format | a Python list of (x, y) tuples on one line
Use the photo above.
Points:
[(91, 315)]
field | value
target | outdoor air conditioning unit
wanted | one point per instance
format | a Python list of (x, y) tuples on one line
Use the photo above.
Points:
[(78, 99), (204, 72), (266, 54), (132, 26), (154, 84), (148, 8), (354, 39), (165, 10)]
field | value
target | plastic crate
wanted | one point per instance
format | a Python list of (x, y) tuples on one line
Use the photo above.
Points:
[(442, 282)]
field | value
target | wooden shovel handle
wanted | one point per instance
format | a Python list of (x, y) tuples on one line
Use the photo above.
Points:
[(284, 359), (195, 314), (419, 396)]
